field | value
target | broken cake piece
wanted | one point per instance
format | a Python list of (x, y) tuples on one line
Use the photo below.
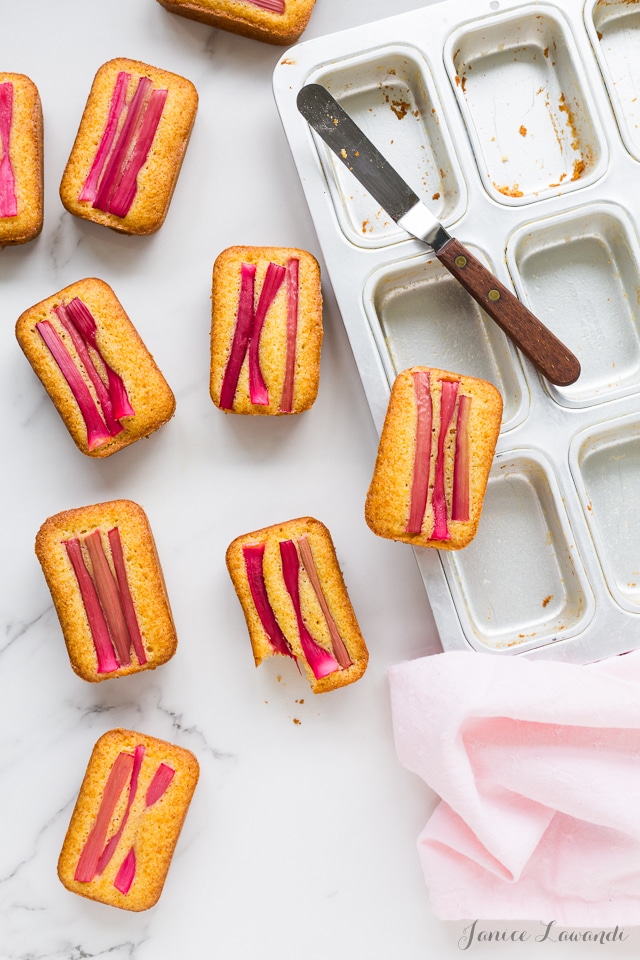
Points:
[(295, 602)]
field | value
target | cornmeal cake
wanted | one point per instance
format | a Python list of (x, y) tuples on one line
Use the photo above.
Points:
[(290, 585), (434, 458), (127, 155), (102, 568), (273, 21), (102, 379), (266, 330), (127, 819), (21, 160)]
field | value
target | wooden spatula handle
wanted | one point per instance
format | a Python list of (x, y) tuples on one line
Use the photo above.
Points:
[(536, 341)]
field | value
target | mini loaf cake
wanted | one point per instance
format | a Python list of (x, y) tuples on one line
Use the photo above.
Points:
[(434, 458), (102, 568), (125, 161), (266, 330), (21, 160), (274, 21), (94, 366), (290, 585), (127, 819)]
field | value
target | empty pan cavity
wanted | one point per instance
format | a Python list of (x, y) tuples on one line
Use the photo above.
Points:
[(520, 584), (521, 89), (605, 462), (391, 96), (615, 33), (420, 315), (579, 272)]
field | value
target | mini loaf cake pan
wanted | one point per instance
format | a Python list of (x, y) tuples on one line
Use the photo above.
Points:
[(519, 129), (528, 111)]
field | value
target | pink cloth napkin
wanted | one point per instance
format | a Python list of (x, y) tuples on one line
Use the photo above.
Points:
[(538, 768)]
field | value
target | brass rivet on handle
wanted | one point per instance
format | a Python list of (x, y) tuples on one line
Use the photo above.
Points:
[(461, 261), (494, 295)]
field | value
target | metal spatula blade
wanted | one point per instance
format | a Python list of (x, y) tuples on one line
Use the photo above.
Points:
[(342, 135)]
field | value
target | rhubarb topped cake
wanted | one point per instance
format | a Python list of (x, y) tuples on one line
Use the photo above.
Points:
[(434, 458), (274, 21), (266, 330), (295, 602), (102, 568), (127, 819), (21, 160), (99, 374), (129, 148)]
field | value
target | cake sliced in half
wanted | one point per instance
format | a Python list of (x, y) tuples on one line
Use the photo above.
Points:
[(93, 364), (127, 819), (21, 160), (128, 151), (273, 21), (434, 458), (102, 568), (266, 330), (295, 602)]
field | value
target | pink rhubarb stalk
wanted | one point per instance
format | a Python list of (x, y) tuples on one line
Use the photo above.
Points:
[(81, 349), (276, 6), (422, 455), (97, 432), (106, 658), (320, 660), (253, 554), (107, 589), (128, 608), (117, 105), (118, 183), (339, 649), (286, 401), (86, 325), (126, 873), (157, 788), (271, 284), (449, 392), (461, 469), (110, 848), (8, 199), (159, 785), (244, 322), (125, 193), (119, 774)]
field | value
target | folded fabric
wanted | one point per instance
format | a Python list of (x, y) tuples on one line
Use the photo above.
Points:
[(537, 765)]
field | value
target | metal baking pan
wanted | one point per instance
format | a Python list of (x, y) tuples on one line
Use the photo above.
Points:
[(519, 124)]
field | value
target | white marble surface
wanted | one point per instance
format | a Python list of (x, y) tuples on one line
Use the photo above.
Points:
[(300, 841)]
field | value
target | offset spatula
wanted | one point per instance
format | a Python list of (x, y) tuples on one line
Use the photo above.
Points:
[(379, 178)]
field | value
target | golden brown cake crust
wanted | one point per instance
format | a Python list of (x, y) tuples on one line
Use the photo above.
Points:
[(151, 397), (273, 340), (389, 497), (334, 589), (144, 575), (246, 19), (26, 154), (157, 179), (153, 832)]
